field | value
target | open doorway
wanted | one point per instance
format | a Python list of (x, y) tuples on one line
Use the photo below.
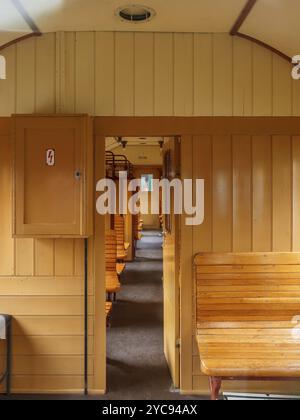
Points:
[(143, 319)]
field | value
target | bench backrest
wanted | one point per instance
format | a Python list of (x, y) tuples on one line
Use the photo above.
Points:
[(257, 288), (110, 250), (120, 230)]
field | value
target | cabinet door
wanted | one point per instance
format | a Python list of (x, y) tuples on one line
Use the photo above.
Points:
[(51, 175)]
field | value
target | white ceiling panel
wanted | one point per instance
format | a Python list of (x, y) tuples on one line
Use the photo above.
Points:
[(12, 24), (276, 22), (172, 15)]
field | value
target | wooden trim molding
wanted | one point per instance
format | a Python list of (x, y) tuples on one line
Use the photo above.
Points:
[(242, 16), (235, 31), (20, 39)]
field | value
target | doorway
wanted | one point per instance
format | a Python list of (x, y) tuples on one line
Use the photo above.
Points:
[(142, 342)]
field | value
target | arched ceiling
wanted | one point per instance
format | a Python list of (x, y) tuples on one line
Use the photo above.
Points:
[(273, 22)]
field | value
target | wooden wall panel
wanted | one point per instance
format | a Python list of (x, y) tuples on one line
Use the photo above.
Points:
[(183, 74), (222, 194), (125, 74), (163, 74), (144, 73), (296, 192), (242, 194), (282, 194), (203, 74), (223, 75)]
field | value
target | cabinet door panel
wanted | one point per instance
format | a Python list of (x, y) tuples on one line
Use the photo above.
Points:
[(50, 172)]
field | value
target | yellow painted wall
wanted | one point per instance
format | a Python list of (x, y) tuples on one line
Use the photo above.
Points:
[(118, 74)]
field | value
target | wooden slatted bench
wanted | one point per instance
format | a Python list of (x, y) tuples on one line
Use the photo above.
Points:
[(246, 306), (120, 232), (111, 276)]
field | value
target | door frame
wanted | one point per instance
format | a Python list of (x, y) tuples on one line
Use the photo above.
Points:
[(186, 128)]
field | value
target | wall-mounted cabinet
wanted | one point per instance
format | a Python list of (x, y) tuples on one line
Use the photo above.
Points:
[(53, 176)]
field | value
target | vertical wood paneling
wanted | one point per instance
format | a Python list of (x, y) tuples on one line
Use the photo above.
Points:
[(64, 257), (24, 249), (262, 82), (164, 74), (202, 164), (125, 76), (144, 73), (262, 193), (242, 77), (242, 197), (222, 194), (223, 75), (6, 240), (203, 73), (45, 74), (26, 76), (282, 87), (105, 73), (44, 257), (183, 74), (186, 287), (70, 76), (282, 194), (296, 193), (8, 87), (85, 72)]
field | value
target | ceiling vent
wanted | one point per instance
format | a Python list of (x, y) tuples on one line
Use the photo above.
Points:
[(135, 13)]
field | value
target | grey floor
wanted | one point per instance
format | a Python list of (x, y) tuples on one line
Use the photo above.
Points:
[(136, 366)]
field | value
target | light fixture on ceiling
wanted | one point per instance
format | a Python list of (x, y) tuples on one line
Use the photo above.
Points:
[(135, 13)]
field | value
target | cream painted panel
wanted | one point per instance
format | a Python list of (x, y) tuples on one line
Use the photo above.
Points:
[(203, 74), (85, 73), (242, 77), (125, 77), (8, 87), (69, 88), (262, 82), (105, 73), (26, 76), (164, 74), (223, 75), (183, 74), (144, 73), (45, 74), (282, 87)]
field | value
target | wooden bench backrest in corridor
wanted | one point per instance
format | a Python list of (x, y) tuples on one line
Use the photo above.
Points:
[(110, 250), (245, 316)]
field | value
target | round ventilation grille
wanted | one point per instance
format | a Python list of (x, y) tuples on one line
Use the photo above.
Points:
[(135, 13)]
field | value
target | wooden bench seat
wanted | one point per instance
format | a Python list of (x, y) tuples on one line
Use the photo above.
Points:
[(119, 223), (120, 268), (245, 316), (112, 269)]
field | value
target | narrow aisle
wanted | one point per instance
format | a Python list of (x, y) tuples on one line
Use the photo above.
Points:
[(137, 368)]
